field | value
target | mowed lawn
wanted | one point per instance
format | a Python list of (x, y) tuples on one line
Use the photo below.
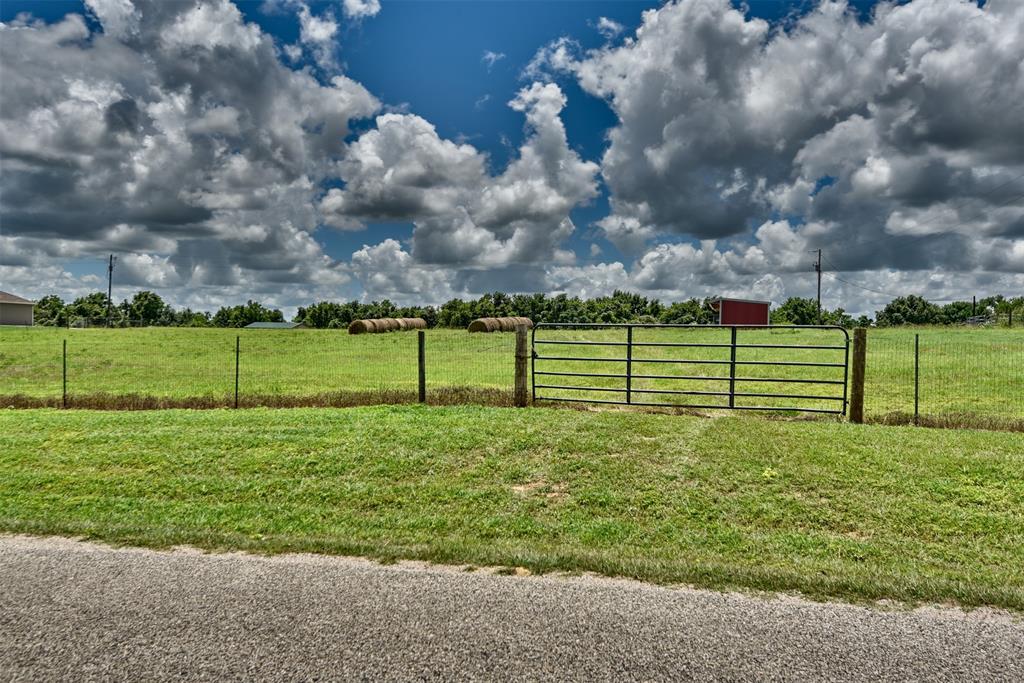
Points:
[(824, 508), (963, 370)]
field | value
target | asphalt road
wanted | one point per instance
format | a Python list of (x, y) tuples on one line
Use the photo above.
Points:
[(77, 611)]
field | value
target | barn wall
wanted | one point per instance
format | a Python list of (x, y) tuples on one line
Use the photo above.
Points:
[(743, 313), (15, 314)]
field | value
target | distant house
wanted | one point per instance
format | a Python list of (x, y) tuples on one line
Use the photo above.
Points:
[(275, 326), (15, 311), (741, 311)]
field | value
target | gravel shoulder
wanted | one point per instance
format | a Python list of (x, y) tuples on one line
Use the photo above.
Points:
[(78, 610)]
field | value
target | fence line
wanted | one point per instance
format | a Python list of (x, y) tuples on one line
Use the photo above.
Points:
[(103, 370), (925, 375)]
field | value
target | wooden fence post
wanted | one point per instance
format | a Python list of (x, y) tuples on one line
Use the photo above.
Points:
[(519, 397), (860, 344), (422, 362)]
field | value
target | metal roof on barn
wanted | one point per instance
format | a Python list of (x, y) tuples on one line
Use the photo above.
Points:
[(7, 298), (273, 326)]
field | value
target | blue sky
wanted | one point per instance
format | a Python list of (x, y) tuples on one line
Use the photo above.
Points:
[(427, 56), (716, 184)]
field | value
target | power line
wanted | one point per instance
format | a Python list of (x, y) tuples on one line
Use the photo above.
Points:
[(957, 225), (955, 207), (866, 289), (889, 294), (989, 191)]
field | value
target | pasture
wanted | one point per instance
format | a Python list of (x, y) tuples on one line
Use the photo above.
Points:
[(736, 502), (977, 371)]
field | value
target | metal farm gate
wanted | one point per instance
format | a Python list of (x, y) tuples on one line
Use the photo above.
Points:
[(714, 366)]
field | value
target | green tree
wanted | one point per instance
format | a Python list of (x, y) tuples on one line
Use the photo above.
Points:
[(689, 312), (908, 310), (954, 313), (455, 313), (51, 310), (250, 312), (796, 311), (147, 307), (91, 308)]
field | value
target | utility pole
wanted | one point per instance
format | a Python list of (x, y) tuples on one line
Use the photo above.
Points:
[(110, 285), (817, 269)]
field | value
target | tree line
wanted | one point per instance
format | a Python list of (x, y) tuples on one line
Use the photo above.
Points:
[(149, 309)]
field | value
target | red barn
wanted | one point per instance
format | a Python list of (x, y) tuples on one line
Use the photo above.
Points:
[(741, 311)]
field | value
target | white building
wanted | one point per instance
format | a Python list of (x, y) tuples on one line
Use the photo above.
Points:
[(14, 310)]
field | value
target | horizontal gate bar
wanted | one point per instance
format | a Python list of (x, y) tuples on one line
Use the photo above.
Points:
[(694, 361), (605, 360), (791, 363), (687, 377), (837, 328), (803, 396), (584, 400), (739, 362), (677, 391), (791, 408), (708, 345), (559, 386), (786, 380), (581, 374), (739, 346), (788, 346), (687, 361), (579, 343), (634, 403), (714, 379), (691, 405), (690, 377)]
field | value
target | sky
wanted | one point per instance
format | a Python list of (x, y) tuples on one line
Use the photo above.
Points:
[(292, 151)]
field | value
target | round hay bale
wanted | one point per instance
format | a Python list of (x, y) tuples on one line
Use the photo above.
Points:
[(375, 325), (507, 324)]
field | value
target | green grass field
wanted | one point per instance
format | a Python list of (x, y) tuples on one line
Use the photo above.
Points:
[(979, 371), (831, 510)]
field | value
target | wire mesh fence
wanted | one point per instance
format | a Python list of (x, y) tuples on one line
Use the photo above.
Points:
[(953, 376), (160, 367), (946, 376)]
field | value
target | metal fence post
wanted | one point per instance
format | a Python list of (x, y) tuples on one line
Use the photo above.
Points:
[(519, 397), (629, 364), (421, 363), (860, 344), (732, 369), (64, 378), (917, 374), (238, 351)]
